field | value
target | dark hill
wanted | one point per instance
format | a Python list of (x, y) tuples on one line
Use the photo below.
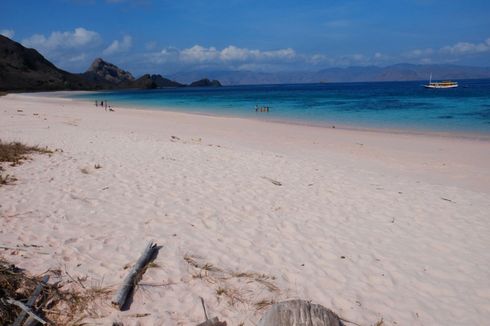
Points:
[(24, 69), (205, 83), (154, 81)]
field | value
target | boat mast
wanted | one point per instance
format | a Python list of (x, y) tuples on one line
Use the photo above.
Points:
[(430, 79)]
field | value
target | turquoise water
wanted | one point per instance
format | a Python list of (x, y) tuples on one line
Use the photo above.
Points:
[(393, 105)]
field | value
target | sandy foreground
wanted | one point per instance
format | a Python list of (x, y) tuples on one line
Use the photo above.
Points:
[(373, 225)]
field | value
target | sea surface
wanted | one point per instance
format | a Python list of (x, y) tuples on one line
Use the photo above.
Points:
[(387, 105)]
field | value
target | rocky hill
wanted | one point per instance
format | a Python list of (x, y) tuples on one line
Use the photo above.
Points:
[(24, 69), (106, 73)]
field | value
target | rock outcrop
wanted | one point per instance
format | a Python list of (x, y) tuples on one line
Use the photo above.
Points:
[(206, 83), (104, 72)]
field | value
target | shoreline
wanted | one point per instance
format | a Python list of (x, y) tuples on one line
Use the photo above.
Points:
[(381, 138), (329, 125), (371, 225)]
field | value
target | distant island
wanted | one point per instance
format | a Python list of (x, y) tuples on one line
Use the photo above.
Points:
[(23, 69)]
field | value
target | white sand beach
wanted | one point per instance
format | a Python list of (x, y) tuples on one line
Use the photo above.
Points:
[(373, 225)]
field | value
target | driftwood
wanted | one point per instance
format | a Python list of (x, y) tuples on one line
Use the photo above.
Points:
[(26, 310), (30, 303), (134, 275), (299, 313), (213, 322)]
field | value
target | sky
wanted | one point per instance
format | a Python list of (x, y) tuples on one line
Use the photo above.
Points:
[(170, 36)]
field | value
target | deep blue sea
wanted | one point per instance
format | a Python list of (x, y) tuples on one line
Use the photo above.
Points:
[(392, 105)]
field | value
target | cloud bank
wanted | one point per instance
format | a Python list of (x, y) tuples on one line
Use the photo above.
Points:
[(119, 46), (75, 49), (7, 33), (463, 48), (78, 38)]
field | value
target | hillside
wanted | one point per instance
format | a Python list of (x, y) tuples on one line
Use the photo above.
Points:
[(23, 69), (26, 69)]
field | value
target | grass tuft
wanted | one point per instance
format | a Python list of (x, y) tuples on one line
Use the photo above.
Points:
[(60, 303), (15, 152), (236, 288)]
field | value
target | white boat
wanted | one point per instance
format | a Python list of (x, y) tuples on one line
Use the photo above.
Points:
[(443, 84)]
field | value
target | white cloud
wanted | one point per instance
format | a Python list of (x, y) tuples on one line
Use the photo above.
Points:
[(199, 54), (70, 50), (80, 37), (418, 53), (7, 32), (233, 53), (462, 48), (446, 54), (119, 46)]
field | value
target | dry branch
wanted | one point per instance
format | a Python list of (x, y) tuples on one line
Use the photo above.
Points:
[(134, 275)]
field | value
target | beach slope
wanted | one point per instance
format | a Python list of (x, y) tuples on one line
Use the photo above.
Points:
[(374, 225)]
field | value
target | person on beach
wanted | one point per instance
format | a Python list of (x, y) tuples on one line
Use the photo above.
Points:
[(96, 103), (105, 105)]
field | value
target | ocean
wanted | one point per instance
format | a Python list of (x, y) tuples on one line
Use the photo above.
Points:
[(380, 105)]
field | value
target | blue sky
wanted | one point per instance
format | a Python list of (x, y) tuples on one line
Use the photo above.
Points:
[(170, 36)]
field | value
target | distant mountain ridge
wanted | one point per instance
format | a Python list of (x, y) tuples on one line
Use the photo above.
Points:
[(397, 72), (23, 69)]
